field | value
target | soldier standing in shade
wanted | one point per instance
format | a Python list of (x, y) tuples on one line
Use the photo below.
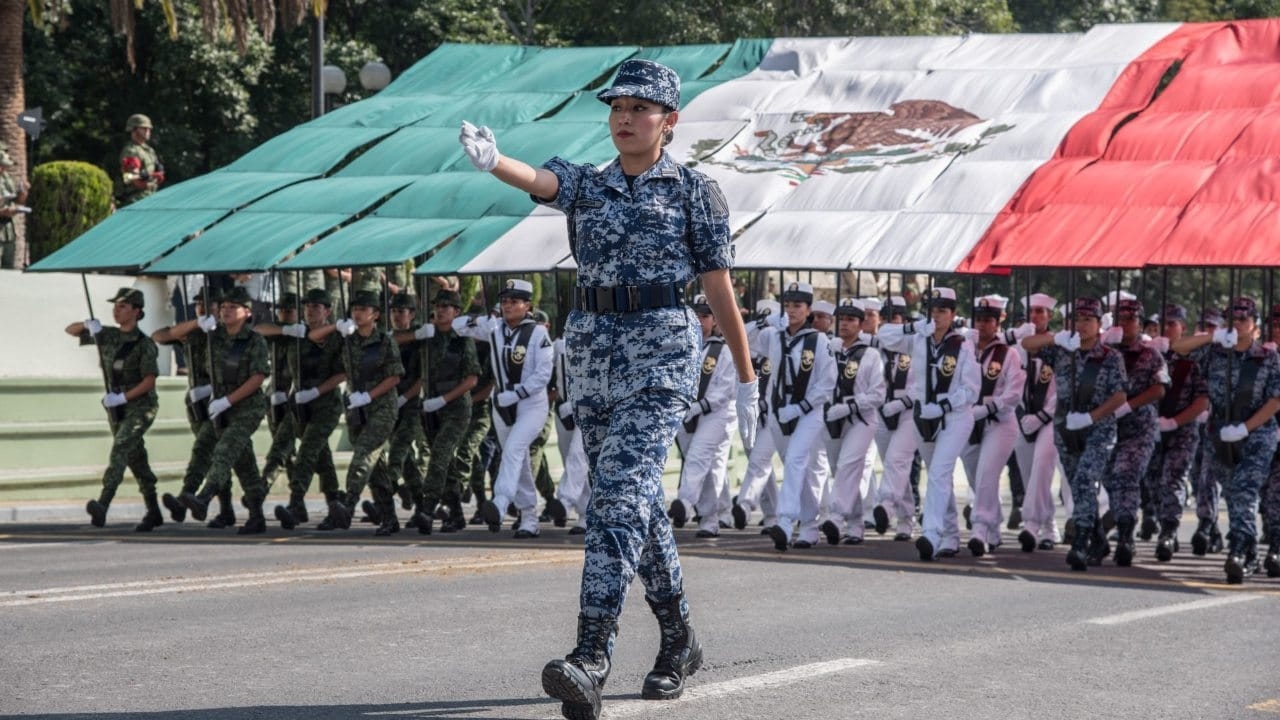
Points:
[(317, 406), (241, 365), (1187, 397), (280, 420), (128, 359), (1091, 384), (371, 362), (13, 198), (1034, 447), (642, 228), (1244, 391), (141, 173)]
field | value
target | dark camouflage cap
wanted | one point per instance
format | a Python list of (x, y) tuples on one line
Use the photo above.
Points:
[(288, 301), (1243, 307), (403, 299), (1210, 316), (133, 296), (449, 297), (367, 298), (647, 80), (1175, 312), (1130, 306), (1087, 306), (318, 296), (238, 295)]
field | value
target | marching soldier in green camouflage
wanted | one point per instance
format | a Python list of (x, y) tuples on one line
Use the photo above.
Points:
[(128, 360), (284, 431), (240, 364), (373, 369), (466, 472), (316, 405), (141, 172), (407, 451), (13, 196)]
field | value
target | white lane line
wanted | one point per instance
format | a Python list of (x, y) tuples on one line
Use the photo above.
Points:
[(28, 546), (200, 584), (1122, 618)]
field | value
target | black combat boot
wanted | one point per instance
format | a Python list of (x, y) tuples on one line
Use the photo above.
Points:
[(176, 509), (1241, 560), (1167, 543), (578, 680), (386, 503), (1125, 546), (97, 509), (557, 511), (1149, 527), (372, 510), (342, 508), (1099, 546), (406, 496), (457, 519), (256, 524), (416, 507), (424, 515), (679, 654), (226, 511), (293, 514), (153, 519), (1200, 539), (1272, 563), (1215, 538), (1078, 555), (331, 499), (198, 503)]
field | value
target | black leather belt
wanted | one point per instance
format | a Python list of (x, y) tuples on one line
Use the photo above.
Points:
[(628, 298)]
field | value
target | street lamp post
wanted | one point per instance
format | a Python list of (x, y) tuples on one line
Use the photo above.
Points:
[(317, 62)]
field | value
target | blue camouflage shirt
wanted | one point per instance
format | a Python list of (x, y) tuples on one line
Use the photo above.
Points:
[(1111, 377), (1214, 362)]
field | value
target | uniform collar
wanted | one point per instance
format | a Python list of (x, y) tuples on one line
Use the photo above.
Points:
[(665, 168)]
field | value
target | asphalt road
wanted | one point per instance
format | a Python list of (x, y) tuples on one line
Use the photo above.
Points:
[(197, 624)]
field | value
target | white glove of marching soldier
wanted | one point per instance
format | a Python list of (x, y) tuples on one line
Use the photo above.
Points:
[(207, 323), (200, 392), (1233, 433), (480, 146), (302, 397), (112, 399), (1079, 420), (93, 327), (1113, 336), (1224, 337), (358, 400), (787, 413), (433, 404), (747, 406), (424, 332), (345, 327), (838, 411), (1067, 339), (1030, 424), (1159, 344), (219, 406), (297, 330)]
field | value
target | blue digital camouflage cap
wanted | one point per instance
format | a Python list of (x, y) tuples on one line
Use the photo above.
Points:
[(1088, 306), (1243, 307), (647, 80), (1130, 306), (1175, 312)]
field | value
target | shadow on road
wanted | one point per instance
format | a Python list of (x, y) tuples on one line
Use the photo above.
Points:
[(441, 710)]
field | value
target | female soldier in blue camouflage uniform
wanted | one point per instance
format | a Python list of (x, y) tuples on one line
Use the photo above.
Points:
[(641, 229)]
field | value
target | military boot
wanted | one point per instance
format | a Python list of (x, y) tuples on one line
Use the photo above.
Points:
[(578, 680), (97, 509), (328, 523), (1099, 546), (372, 510), (1272, 563), (557, 511), (1241, 560), (1200, 539), (457, 519), (226, 511), (1125, 546), (341, 509), (1149, 527), (416, 507), (1078, 555), (679, 654), (256, 524), (176, 509), (1167, 543), (406, 496), (386, 502), (293, 514), (1215, 538), (198, 503), (153, 519)]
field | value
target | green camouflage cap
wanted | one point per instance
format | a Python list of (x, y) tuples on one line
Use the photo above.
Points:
[(133, 296), (288, 301), (136, 121), (318, 296), (238, 295), (403, 299), (367, 298), (448, 297)]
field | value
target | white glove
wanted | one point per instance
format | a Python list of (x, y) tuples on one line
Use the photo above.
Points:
[(111, 400), (748, 410), (207, 323), (1224, 337), (507, 398), (565, 411), (1025, 330), (1233, 433), (358, 400), (980, 412), (200, 392), (1113, 336), (401, 401), (93, 326), (1123, 410), (1079, 420), (279, 398), (1105, 321), (1030, 424), (424, 332), (480, 146), (433, 404), (345, 327), (297, 330), (1203, 417), (1159, 344), (893, 407), (1167, 424), (465, 321), (787, 413), (930, 411), (1067, 340), (218, 406), (302, 397), (923, 327), (693, 412), (839, 411)]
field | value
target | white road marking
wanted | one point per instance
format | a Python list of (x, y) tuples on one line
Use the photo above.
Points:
[(28, 546), (241, 580), (1171, 609)]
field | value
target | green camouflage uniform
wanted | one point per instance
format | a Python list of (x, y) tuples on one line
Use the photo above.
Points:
[(196, 346), (234, 448), (450, 359), (284, 430), (140, 161), (128, 359), (406, 453), (465, 469), (369, 361), (8, 233), (317, 419)]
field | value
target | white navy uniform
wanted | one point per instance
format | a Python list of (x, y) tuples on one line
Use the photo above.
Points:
[(997, 414), (706, 449)]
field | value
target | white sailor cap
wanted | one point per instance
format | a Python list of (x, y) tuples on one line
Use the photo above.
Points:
[(797, 291), (520, 289), (1039, 300), (824, 306), (1112, 298)]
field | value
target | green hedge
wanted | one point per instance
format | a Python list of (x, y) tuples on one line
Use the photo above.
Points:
[(67, 198)]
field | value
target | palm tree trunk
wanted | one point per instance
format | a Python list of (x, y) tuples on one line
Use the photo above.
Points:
[(12, 101)]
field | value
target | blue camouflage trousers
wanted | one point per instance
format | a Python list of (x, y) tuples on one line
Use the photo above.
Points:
[(1203, 480), (1242, 483), (628, 532), (1129, 461), (1085, 470), (1165, 487), (1271, 496)]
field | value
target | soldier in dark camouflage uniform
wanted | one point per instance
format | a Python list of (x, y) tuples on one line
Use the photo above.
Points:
[(141, 173), (1207, 537), (1244, 390), (128, 359), (651, 225), (1271, 493), (1091, 384)]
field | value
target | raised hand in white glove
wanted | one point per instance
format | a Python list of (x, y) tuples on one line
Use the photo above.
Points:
[(480, 146), (112, 399), (1160, 344), (787, 413), (1123, 410), (1203, 417), (930, 411), (893, 407), (93, 327), (302, 397), (1030, 424), (922, 327), (279, 398), (1113, 336), (1233, 433), (1226, 338), (1167, 424), (433, 404), (1079, 420), (1105, 321), (401, 401), (424, 332), (1025, 330), (200, 392), (297, 330), (1067, 340), (507, 398), (345, 327), (358, 400), (217, 406), (839, 411), (207, 323), (465, 321), (747, 408)]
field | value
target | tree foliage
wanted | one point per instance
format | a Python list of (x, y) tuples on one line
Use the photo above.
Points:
[(67, 198)]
